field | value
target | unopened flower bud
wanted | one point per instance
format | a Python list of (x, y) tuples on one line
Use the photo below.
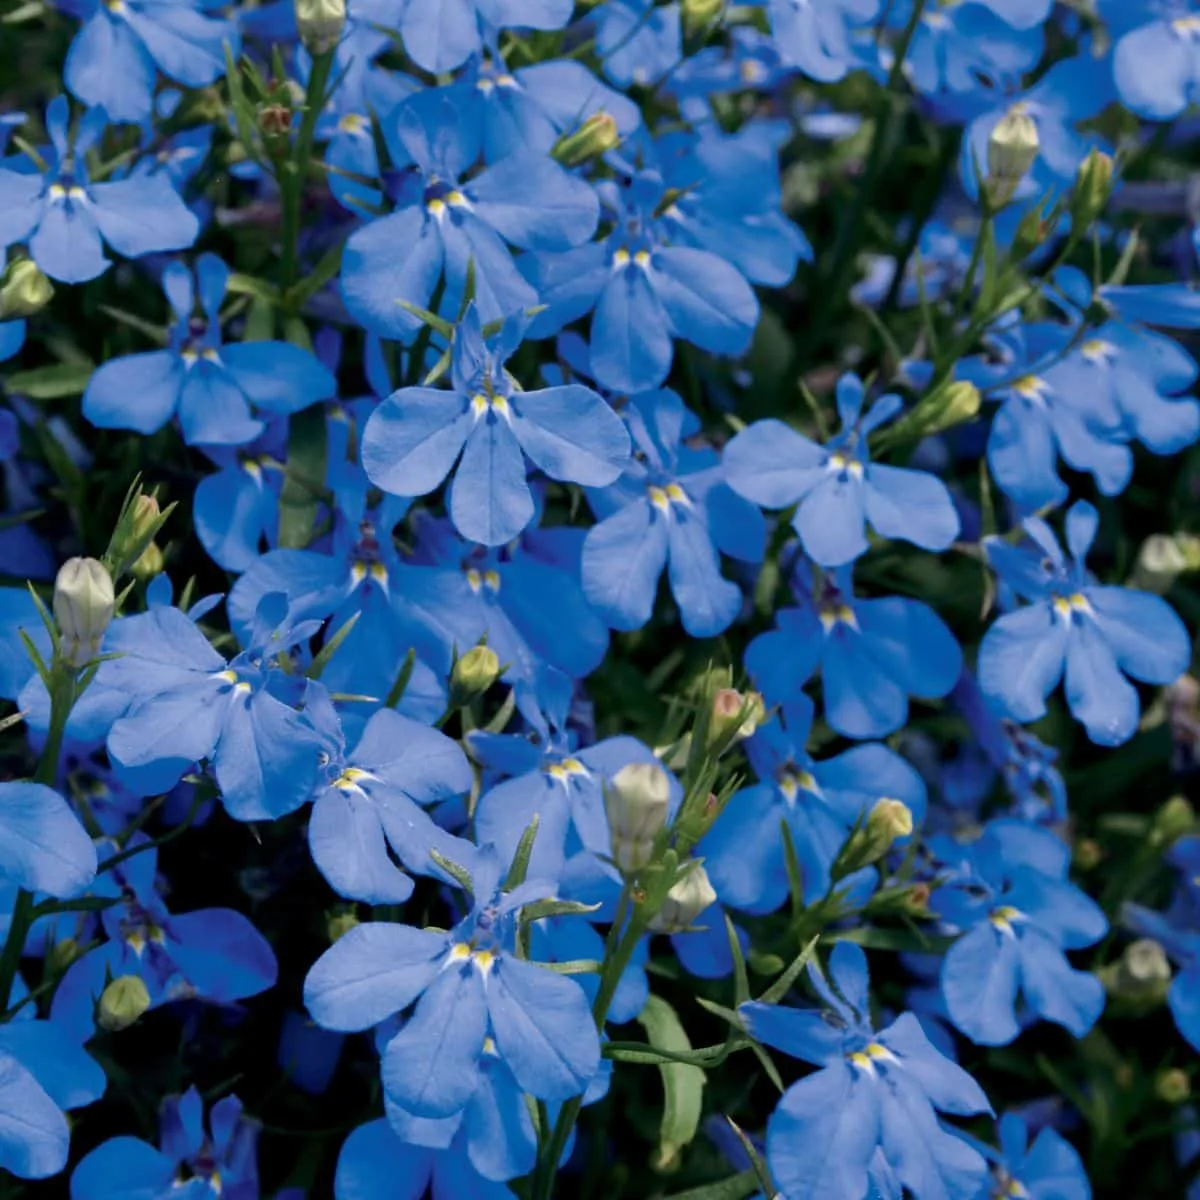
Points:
[(1141, 976), (1093, 187), (473, 674), (83, 607), (1162, 559), (1172, 821), (698, 15), (735, 716), (124, 1002), (146, 514), (24, 291), (596, 136), (60, 955), (338, 924), (1173, 1086), (887, 821), (686, 900), (636, 801), (150, 563), (320, 24), (1088, 854), (1011, 151)]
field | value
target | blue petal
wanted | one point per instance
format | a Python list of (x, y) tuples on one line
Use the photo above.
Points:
[(1147, 638), (61, 1066), (108, 66), (398, 257), (143, 216), (948, 1087), (623, 558), (543, 1027), (1021, 660), (572, 434), (501, 1141), (490, 501), (277, 376), (413, 439), (21, 205), (1184, 1000), (1098, 695), (805, 1034), (707, 601), (1054, 989), (43, 847), (773, 465), (631, 343), (1154, 69), (221, 954), (743, 851), (440, 37), (33, 1132), (374, 1164), (980, 977), (348, 848), (830, 520), (431, 1067), (67, 244), (370, 973), (706, 301), (912, 505), (822, 1135), (186, 44), (533, 203), (213, 410), (232, 512), (138, 392), (123, 1168)]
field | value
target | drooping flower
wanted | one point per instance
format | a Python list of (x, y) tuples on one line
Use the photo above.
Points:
[(66, 220), (836, 486), (1094, 635)]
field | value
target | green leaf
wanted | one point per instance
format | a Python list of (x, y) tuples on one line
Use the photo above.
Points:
[(300, 293), (51, 383), (432, 320), (331, 647), (759, 1166), (576, 966), (456, 871), (540, 909), (736, 1187), (520, 863), (403, 676), (306, 455), (683, 1084), (260, 289)]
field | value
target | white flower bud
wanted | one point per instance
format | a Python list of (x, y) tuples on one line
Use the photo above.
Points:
[(1011, 151), (83, 607), (636, 801), (689, 897), (320, 24)]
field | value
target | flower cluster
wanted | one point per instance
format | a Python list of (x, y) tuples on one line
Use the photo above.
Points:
[(404, 799)]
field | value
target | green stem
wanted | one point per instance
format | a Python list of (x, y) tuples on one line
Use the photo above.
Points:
[(614, 968), (62, 699), (885, 113), (295, 169)]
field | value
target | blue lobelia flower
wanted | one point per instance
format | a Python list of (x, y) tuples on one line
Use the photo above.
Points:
[(1044, 415), (488, 427), (12, 338), (548, 777), (819, 802), (1094, 634), (1156, 60), (375, 1163), (672, 508), (469, 987), (837, 488), (1136, 371), (186, 703), (372, 799), (817, 35), (957, 47), (1009, 894), (115, 57), (443, 36), (213, 387), (444, 221), (43, 846), (1022, 762), (691, 229), (66, 219), (873, 654), (526, 110), (192, 1162), (639, 41), (876, 1094), (212, 954), (43, 1070), (1049, 1169)]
